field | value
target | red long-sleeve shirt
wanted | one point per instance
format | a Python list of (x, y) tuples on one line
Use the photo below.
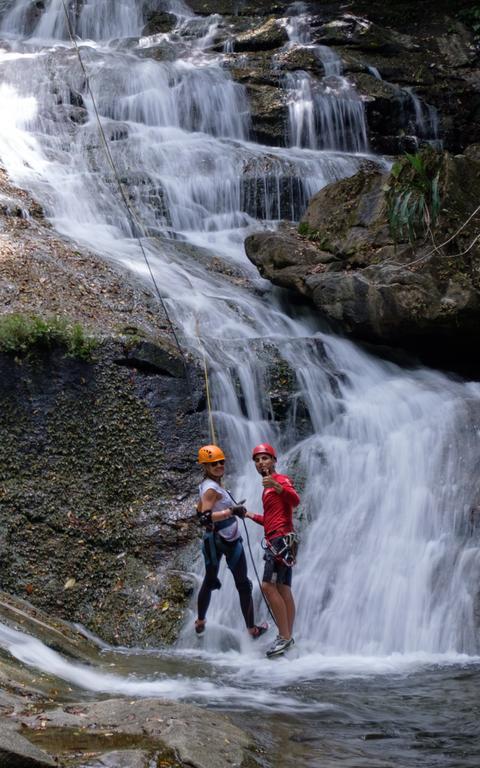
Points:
[(277, 518)]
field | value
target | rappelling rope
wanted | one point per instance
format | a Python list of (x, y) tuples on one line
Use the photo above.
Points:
[(254, 566), (135, 223), (211, 425)]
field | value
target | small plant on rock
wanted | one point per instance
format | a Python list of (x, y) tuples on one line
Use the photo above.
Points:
[(471, 17), (413, 196), (19, 334)]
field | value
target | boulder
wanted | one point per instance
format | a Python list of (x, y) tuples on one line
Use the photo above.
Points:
[(269, 114), (238, 7), (17, 752), (382, 285), (159, 22), (190, 733), (267, 36)]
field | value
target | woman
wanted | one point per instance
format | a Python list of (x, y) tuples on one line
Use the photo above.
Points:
[(219, 515)]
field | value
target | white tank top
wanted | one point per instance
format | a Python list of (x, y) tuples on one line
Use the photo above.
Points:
[(230, 532)]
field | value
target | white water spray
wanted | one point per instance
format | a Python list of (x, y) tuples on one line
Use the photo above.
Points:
[(386, 565)]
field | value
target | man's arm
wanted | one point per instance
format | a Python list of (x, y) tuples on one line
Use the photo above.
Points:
[(256, 518), (283, 486)]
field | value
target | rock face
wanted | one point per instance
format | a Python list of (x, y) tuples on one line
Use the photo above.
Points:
[(415, 67), (96, 482), (97, 472), (17, 752), (43, 722), (419, 292), (187, 735)]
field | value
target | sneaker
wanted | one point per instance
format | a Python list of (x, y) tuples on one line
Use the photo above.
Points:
[(200, 626), (280, 646), (260, 629)]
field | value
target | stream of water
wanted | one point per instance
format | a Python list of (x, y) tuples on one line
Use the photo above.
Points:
[(385, 669)]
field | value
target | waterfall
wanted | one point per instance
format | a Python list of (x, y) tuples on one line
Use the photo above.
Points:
[(385, 458), (91, 19), (325, 114), (426, 123)]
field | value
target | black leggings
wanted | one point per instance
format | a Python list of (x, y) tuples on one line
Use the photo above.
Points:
[(238, 567)]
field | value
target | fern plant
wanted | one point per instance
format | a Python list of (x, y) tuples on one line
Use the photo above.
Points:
[(413, 197)]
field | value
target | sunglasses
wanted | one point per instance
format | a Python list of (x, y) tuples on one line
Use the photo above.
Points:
[(216, 463)]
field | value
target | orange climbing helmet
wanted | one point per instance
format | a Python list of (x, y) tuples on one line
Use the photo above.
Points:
[(209, 453), (264, 448)]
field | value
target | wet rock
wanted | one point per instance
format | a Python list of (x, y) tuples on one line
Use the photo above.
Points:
[(148, 357), (192, 734), (159, 22), (269, 114), (361, 33), (401, 293), (17, 752), (54, 633), (284, 254), (163, 51), (126, 758), (267, 36), (238, 7), (84, 464), (457, 47)]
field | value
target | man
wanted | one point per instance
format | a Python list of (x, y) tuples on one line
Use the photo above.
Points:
[(279, 499), (219, 514)]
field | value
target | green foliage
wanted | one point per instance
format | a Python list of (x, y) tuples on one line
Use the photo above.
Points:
[(303, 229), (315, 235), (22, 333), (471, 17), (413, 197)]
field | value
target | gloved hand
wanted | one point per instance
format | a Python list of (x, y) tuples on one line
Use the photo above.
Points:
[(238, 509)]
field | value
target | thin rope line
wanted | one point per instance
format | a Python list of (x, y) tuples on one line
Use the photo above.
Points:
[(255, 567), (135, 222)]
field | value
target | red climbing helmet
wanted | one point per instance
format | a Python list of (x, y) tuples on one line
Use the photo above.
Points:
[(264, 448)]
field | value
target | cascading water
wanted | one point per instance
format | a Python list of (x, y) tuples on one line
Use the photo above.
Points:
[(325, 114), (385, 468)]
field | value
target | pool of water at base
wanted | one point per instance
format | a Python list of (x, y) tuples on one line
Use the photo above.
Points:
[(425, 716), (428, 719)]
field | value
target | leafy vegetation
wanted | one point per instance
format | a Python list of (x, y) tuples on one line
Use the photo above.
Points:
[(471, 17), (413, 197), (305, 230), (22, 333)]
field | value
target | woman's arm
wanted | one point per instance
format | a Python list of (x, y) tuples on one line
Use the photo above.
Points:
[(208, 500)]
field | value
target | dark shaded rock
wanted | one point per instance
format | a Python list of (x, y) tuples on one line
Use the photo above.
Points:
[(269, 114), (150, 358), (407, 294), (361, 33), (159, 21), (163, 51), (302, 58), (238, 7), (17, 752), (94, 460), (284, 254), (267, 36)]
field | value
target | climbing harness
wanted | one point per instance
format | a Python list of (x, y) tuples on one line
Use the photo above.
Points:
[(283, 548), (213, 545)]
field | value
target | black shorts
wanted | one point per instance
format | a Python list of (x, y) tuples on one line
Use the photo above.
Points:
[(275, 571)]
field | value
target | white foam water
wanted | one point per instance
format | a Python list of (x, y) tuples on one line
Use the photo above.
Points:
[(384, 457)]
